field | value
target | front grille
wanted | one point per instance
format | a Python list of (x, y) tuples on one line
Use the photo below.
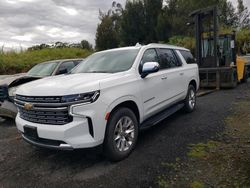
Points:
[(3, 93), (44, 110), (39, 99)]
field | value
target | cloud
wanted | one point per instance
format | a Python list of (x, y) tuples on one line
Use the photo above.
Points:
[(70, 11), (26, 38), (245, 2), (30, 22)]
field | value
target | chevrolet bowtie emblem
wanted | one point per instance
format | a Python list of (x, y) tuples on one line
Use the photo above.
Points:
[(28, 106)]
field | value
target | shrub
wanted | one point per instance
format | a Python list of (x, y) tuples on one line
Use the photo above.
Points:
[(17, 62)]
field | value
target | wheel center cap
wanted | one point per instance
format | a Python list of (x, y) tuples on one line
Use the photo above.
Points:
[(122, 134)]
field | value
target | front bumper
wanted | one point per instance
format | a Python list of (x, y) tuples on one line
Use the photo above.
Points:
[(8, 109), (69, 136), (42, 144)]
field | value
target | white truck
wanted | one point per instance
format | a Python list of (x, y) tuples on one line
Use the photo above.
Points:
[(107, 99)]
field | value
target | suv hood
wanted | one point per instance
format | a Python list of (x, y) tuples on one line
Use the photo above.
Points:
[(8, 79), (63, 84)]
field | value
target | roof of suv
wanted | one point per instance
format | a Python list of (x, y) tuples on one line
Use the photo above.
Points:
[(152, 45), (62, 60), (155, 45)]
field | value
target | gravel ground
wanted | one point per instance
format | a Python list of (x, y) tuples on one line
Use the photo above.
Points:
[(22, 165)]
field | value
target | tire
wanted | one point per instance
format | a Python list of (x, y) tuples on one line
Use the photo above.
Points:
[(117, 143), (190, 100)]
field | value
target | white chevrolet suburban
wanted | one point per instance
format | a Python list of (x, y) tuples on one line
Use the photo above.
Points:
[(107, 99)]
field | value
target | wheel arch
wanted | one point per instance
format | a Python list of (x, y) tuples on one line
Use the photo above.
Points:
[(194, 83), (129, 102)]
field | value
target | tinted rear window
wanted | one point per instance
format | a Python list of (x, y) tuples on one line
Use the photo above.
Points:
[(187, 56)]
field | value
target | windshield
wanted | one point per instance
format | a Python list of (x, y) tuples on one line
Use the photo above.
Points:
[(43, 69), (108, 62)]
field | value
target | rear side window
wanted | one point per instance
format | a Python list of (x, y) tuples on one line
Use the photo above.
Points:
[(77, 62), (167, 58), (187, 56), (68, 65)]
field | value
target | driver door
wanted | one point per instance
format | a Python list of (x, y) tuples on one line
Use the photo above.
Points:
[(153, 91)]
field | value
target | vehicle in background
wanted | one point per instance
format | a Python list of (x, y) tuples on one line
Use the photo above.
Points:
[(107, 99), (9, 84), (216, 52)]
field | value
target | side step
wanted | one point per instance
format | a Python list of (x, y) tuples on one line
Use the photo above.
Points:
[(160, 116)]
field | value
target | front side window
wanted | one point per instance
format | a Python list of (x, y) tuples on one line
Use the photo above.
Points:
[(167, 58), (108, 62), (43, 69)]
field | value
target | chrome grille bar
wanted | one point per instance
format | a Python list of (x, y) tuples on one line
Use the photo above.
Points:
[(45, 110)]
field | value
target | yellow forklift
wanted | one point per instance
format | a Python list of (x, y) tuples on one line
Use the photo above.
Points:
[(219, 65)]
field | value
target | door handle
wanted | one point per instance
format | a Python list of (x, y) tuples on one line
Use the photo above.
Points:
[(181, 73), (164, 77)]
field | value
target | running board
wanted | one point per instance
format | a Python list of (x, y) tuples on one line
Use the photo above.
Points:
[(160, 116)]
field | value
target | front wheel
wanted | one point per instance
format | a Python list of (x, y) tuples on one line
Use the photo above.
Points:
[(190, 100), (121, 134)]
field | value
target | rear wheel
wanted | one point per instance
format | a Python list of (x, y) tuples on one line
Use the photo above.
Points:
[(190, 100), (121, 134)]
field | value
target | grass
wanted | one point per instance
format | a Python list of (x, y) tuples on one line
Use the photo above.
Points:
[(196, 184), (201, 150), (17, 62), (223, 163)]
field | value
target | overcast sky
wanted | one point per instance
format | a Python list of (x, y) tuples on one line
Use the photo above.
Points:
[(30, 22)]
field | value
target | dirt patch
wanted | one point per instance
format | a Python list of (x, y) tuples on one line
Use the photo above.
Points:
[(224, 162)]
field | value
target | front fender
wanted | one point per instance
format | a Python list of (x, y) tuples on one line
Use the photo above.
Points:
[(120, 100)]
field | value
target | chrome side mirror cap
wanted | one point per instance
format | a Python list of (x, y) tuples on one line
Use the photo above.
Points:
[(148, 68)]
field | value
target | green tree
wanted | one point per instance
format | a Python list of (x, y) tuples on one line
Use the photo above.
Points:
[(108, 31), (163, 28), (106, 35), (86, 45), (153, 9), (243, 15), (133, 28), (243, 41)]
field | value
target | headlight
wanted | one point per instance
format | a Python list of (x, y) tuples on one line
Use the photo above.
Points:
[(81, 98), (12, 91)]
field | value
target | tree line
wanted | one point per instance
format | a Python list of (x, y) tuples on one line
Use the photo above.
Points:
[(147, 21), (84, 44)]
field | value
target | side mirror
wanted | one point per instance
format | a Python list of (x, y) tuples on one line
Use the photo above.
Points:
[(148, 68), (62, 71)]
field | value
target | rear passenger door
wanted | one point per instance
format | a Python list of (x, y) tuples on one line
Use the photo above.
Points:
[(174, 73)]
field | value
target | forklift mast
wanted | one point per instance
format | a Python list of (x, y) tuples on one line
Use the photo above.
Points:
[(206, 22), (215, 54)]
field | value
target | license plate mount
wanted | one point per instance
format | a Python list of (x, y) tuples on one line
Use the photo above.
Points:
[(30, 131)]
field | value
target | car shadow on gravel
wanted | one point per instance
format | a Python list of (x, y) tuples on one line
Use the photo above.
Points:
[(7, 122)]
